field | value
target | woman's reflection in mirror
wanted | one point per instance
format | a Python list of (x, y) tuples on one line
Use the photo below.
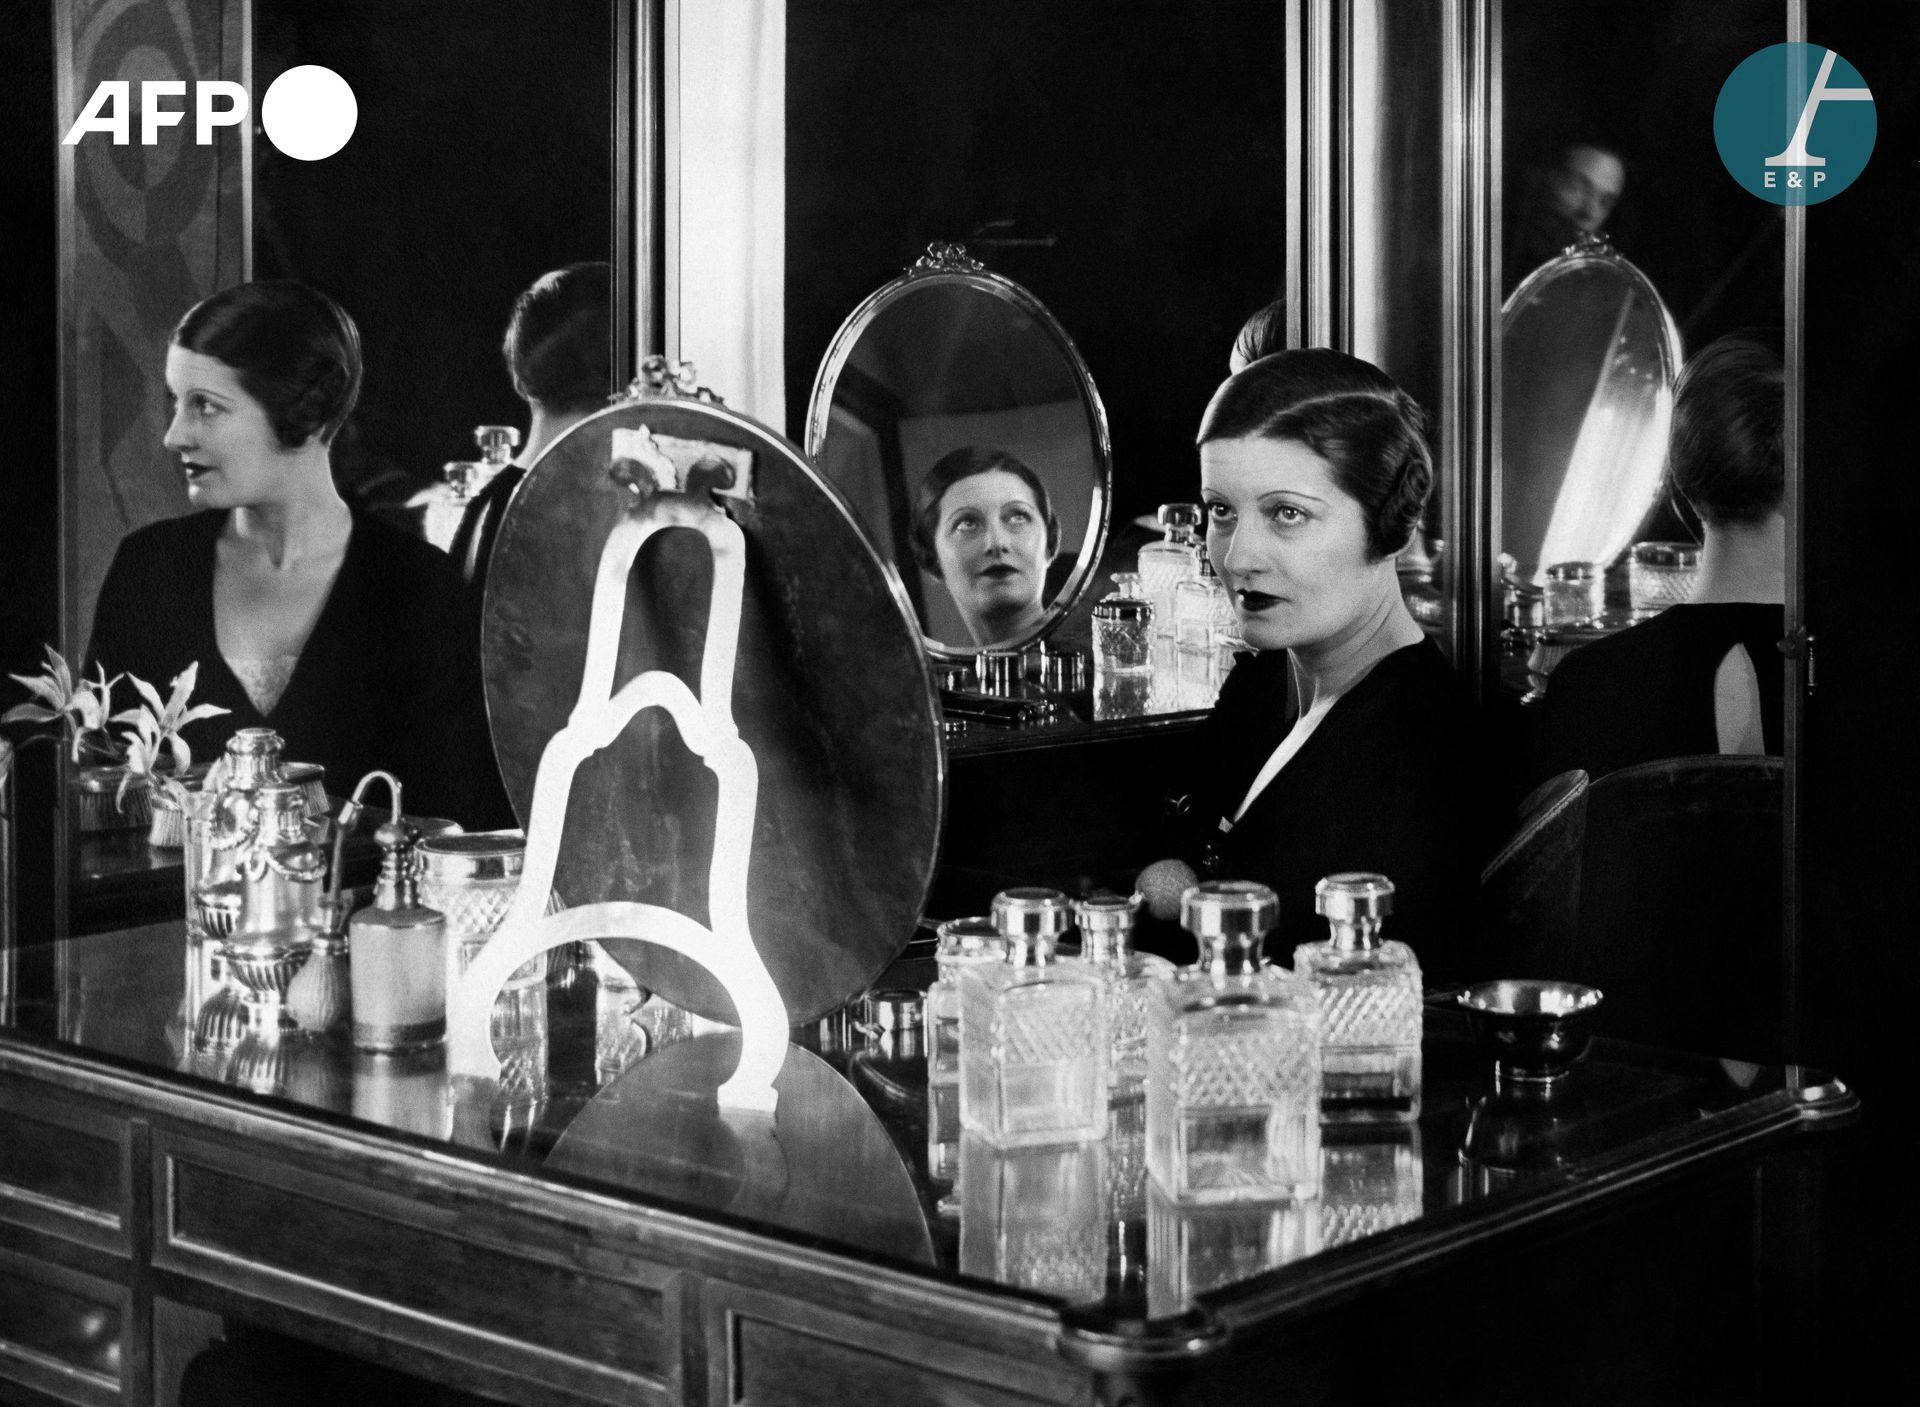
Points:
[(345, 636), (1705, 676), (1344, 743), (558, 351), (1573, 192), (982, 524)]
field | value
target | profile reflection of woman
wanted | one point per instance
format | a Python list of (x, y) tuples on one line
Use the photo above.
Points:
[(345, 636), (1345, 742), (982, 524)]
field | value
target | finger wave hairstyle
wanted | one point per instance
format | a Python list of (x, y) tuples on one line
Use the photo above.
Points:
[(1351, 414), (293, 349)]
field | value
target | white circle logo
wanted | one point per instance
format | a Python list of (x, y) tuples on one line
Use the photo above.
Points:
[(309, 112)]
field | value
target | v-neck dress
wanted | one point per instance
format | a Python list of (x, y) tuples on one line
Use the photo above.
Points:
[(1395, 779), (387, 680)]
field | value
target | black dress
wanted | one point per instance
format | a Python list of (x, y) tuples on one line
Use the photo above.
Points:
[(1647, 693), (1394, 780), (387, 680)]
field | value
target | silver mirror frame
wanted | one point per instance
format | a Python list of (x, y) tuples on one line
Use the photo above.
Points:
[(1590, 253), (949, 264)]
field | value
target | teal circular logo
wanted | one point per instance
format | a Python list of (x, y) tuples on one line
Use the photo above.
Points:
[(1795, 124)]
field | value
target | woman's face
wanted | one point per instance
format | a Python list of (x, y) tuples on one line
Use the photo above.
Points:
[(991, 540), (1289, 543), (228, 452)]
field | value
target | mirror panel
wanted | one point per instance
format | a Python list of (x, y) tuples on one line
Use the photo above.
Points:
[(949, 359), (482, 159), (1589, 355)]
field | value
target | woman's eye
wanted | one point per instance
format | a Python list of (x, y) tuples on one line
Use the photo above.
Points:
[(1287, 513), (1019, 515), (1219, 513), (964, 525)]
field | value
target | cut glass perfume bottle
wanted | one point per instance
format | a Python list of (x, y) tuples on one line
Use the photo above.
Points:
[(1370, 1005), (1106, 942), (1170, 561), (1033, 1033), (1233, 1061)]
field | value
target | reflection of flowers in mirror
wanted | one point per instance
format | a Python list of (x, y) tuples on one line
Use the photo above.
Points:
[(80, 707)]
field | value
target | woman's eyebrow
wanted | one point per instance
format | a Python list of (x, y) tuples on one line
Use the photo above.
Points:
[(1271, 494)]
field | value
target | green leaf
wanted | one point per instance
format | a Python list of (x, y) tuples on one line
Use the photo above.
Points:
[(31, 713), (46, 688), (149, 693)]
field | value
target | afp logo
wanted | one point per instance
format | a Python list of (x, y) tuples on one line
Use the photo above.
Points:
[(1795, 124), (308, 112)]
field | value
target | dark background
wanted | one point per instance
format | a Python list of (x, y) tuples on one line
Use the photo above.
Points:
[(1155, 169)]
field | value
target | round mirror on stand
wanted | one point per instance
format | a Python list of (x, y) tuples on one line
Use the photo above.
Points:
[(954, 414), (1589, 355)]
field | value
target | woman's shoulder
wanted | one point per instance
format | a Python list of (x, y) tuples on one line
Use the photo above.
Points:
[(410, 563), (166, 549)]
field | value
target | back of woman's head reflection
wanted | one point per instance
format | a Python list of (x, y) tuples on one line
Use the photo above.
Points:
[(983, 525)]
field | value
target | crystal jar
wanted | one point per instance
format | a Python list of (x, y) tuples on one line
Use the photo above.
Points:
[(1661, 574), (1576, 593), (472, 879), (963, 942), (1123, 628)]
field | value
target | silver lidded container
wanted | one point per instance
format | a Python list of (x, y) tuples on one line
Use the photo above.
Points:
[(472, 879)]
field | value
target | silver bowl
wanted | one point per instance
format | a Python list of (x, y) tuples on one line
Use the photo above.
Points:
[(1536, 1029)]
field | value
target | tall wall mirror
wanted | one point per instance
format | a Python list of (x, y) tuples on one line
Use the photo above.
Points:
[(483, 156), (1638, 554)]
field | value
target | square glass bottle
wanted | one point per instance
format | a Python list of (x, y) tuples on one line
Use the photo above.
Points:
[(1233, 1062), (1106, 942), (1033, 1033), (1170, 561), (963, 942), (1370, 1002)]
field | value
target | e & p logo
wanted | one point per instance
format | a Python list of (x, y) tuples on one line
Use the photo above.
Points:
[(308, 112), (1795, 124)]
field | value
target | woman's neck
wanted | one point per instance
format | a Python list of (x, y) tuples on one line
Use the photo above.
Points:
[(548, 423), (1743, 562), (311, 521), (1326, 670)]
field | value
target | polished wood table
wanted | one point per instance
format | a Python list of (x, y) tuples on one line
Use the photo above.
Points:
[(603, 1235)]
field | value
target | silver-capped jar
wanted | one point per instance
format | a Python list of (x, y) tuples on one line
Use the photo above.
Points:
[(472, 879)]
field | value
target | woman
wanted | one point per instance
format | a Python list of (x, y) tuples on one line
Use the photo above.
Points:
[(982, 524), (1345, 743), (1706, 676), (346, 637), (559, 353)]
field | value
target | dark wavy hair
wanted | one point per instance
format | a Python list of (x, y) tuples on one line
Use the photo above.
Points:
[(950, 469), (1727, 451), (292, 348), (1351, 414), (559, 344)]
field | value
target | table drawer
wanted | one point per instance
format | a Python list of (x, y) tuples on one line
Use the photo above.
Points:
[(66, 1167), (431, 1267), (61, 1333)]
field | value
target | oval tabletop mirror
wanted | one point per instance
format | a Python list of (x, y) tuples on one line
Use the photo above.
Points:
[(831, 692), (954, 414), (1589, 354)]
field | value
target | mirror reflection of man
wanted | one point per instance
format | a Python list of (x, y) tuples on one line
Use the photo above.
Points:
[(1573, 194)]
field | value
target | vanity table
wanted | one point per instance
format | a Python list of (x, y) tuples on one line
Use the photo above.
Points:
[(1631, 1222)]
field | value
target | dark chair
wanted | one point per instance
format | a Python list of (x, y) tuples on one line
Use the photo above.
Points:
[(1680, 902), (1530, 892)]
